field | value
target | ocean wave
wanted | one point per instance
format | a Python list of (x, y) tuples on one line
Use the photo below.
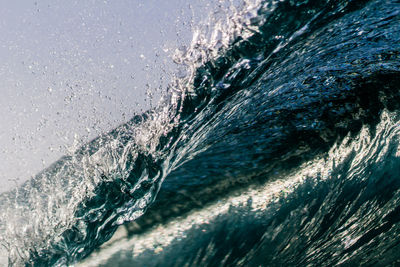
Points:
[(276, 86), (339, 208)]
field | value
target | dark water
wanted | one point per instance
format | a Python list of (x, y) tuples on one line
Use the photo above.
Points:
[(306, 107)]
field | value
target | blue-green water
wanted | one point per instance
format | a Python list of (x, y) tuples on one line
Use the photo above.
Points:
[(313, 92)]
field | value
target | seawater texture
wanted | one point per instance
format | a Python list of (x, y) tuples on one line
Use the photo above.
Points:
[(297, 112)]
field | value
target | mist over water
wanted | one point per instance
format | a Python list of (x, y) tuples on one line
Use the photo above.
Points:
[(275, 142)]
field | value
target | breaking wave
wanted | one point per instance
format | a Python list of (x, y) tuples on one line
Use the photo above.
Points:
[(291, 104)]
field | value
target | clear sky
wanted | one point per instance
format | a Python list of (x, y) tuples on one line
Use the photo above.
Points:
[(73, 69)]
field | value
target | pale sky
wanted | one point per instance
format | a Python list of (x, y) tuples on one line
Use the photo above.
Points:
[(74, 69)]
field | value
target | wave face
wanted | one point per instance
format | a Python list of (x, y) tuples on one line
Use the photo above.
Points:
[(298, 113)]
